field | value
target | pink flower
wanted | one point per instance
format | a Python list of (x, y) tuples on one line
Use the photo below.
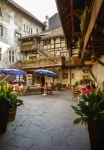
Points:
[(87, 91)]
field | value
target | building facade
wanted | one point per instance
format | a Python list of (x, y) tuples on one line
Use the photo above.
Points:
[(15, 22), (23, 37), (48, 51)]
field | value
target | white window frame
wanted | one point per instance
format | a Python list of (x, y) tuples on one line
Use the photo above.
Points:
[(11, 56), (1, 30), (0, 54)]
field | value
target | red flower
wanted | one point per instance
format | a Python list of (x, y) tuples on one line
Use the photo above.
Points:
[(87, 91)]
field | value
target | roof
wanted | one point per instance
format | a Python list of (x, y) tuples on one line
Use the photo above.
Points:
[(52, 33), (22, 10), (70, 12), (55, 28), (54, 21)]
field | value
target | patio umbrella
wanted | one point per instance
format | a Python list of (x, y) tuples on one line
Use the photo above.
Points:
[(13, 72), (45, 73)]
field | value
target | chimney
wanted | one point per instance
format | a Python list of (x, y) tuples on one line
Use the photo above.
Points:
[(47, 22)]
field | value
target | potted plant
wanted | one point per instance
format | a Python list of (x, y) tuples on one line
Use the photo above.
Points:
[(15, 101), (90, 108), (8, 100)]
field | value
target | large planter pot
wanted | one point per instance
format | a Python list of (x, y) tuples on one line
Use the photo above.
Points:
[(96, 135), (3, 121), (12, 114)]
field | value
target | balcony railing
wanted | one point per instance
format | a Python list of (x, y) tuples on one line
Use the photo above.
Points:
[(44, 62)]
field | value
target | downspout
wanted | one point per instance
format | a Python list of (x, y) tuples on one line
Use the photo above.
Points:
[(70, 78)]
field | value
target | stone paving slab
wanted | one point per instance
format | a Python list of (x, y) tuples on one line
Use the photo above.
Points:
[(45, 123)]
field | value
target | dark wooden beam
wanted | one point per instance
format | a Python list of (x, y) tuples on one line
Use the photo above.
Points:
[(77, 15), (72, 19), (94, 14), (78, 34)]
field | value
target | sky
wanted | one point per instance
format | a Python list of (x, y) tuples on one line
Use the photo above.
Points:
[(39, 8)]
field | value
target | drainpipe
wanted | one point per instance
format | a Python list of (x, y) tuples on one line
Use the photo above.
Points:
[(70, 77), (54, 44)]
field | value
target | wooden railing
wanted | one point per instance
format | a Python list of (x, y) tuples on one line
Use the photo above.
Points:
[(50, 62)]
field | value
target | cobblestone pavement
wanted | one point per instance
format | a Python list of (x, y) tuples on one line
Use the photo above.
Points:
[(45, 123)]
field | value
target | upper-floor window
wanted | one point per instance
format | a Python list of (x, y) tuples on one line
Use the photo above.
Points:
[(47, 42), (72, 75), (0, 12), (11, 56), (1, 30), (27, 28), (65, 75), (18, 35), (62, 39), (31, 31), (0, 54), (37, 30)]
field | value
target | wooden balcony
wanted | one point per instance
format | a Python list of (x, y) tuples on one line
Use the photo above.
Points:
[(29, 46), (73, 62), (44, 63)]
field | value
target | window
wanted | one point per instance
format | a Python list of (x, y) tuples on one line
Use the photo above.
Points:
[(31, 31), (23, 27), (65, 75), (37, 31), (72, 75), (47, 42), (18, 35), (0, 12), (62, 39), (85, 77), (11, 56), (1, 30), (0, 54), (27, 29)]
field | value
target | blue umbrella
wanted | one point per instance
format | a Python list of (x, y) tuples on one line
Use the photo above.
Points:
[(13, 72), (46, 73)]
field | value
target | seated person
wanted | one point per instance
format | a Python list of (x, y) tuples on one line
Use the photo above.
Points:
[(49, 88)]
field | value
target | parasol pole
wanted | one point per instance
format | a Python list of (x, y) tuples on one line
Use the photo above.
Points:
[(45, 85)]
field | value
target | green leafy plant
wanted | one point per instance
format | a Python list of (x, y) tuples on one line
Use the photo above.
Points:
[(90, 107), (76, 83), (8, 99), (84, 19), (40, 60)]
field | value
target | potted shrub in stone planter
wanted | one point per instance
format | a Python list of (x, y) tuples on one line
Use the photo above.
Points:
[(7, 100), (90, 109), (15, 101)]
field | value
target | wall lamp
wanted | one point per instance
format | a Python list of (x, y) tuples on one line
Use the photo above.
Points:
[(94, 58)]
